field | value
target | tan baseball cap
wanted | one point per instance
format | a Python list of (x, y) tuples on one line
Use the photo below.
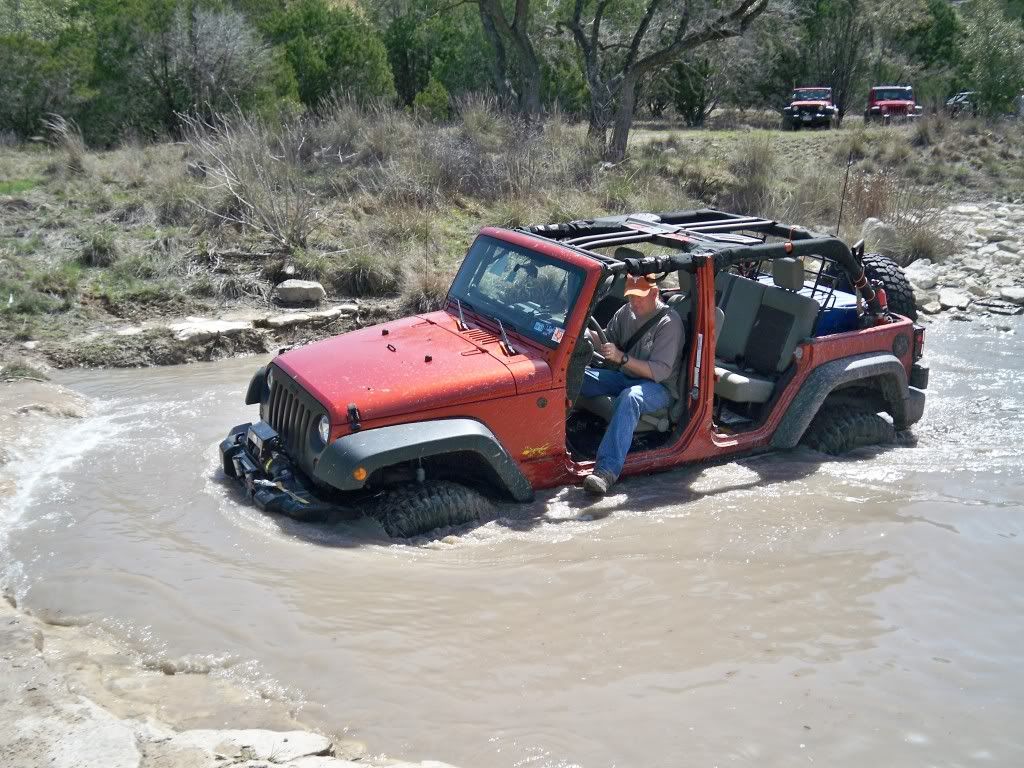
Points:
[(639, 285)]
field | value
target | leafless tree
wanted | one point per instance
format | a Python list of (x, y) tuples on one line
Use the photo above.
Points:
[(204, 62)]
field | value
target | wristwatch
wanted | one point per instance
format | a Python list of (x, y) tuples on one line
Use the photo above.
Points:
[(625, 359)]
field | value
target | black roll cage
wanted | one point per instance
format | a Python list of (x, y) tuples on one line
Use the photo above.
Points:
[(726, 238)]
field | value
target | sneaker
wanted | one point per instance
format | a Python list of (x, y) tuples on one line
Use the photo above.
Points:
[(599, 482)]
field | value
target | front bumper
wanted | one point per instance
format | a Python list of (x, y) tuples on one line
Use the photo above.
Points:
[(250, 454)]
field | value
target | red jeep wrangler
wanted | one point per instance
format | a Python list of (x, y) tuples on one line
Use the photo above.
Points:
[(809, 108), (891, 103), (789, 338)]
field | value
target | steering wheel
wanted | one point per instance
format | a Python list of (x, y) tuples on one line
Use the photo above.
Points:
[(598, 360)]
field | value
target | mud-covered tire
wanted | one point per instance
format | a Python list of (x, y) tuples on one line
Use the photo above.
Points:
[(838, 429), (416, 509), (898, 290)]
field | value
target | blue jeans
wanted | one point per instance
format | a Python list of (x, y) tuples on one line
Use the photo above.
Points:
[(633, 397)]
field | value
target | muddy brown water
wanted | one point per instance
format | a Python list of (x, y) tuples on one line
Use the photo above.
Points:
[(774, 611)]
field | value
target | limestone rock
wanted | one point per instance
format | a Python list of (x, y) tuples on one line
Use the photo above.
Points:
[(932, 308), (1013, 293), (951, 298), (879, 236), (922, 274), (255, 744), (198, 329), (298, 293)]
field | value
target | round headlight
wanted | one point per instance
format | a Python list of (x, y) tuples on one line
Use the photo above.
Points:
[(324, 429), (270, 378)]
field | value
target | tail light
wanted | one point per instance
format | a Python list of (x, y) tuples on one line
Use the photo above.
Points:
[(918, 342)]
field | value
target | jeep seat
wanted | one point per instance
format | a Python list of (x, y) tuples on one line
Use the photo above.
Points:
[(759, 346)]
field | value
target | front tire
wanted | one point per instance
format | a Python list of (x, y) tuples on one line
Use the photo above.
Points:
[(416, 509), (839, 429)]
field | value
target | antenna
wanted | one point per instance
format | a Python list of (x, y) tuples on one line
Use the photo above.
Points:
[(842, 200)]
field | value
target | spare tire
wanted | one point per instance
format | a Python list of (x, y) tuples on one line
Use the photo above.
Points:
[(418, 508), (898, 290)]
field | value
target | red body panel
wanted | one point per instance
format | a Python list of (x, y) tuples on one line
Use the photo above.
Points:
[(521, 398)]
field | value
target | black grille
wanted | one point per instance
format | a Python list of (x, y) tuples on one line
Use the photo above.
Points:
[(293, 413)]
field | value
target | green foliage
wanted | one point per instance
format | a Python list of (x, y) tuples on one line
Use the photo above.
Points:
[(450, 47), (16, 186), (433, 102), (992, 56), (332, 50), (38, 77)]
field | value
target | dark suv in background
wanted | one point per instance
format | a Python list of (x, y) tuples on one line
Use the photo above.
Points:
[(809, 108)]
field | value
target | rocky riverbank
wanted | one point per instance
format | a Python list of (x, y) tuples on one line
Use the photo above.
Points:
[(69, 698), (985, 276)]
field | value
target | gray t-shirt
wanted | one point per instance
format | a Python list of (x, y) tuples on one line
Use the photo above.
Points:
[(659, 346)]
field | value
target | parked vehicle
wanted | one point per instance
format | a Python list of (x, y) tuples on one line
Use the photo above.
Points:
[(891, 103), (963, 103), (809, 108), (790, 338)]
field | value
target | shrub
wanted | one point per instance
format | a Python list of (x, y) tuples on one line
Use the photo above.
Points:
[(260, 172), (424, 292), (433, 102), (100, 250), (366, 272)]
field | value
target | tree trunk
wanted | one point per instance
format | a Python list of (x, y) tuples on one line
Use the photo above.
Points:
[(623, 121)]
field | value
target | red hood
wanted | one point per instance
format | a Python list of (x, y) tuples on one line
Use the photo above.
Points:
[(387, 375), (812, 103)]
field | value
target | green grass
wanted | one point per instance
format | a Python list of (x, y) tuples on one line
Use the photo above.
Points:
[(16, 186)]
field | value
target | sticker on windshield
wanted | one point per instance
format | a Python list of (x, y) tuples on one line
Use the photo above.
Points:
[(539, 326), (557, 334)]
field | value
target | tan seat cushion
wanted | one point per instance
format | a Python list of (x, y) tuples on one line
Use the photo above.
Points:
[(744, 387)]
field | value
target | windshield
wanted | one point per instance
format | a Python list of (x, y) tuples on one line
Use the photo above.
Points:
[(894, 94), (527, 291), (812, 94)]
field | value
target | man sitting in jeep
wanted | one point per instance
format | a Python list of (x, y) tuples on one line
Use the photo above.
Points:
[(644, 340)]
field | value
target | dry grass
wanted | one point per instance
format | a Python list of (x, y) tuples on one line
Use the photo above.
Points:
[(259, 173), (424, 291), (66, 136)]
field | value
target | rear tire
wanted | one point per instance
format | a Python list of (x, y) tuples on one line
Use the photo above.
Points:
[(898, 290), (838, 429), (413, 510)]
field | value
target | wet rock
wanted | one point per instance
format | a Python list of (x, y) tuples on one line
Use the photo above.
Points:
[(300, 293), (291, 319), (1014, 294), (998, 307), (197, 329), (953, 299)]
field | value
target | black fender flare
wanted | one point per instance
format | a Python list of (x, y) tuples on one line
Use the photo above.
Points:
[(257, 391), (374, 449), (905, 403)]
